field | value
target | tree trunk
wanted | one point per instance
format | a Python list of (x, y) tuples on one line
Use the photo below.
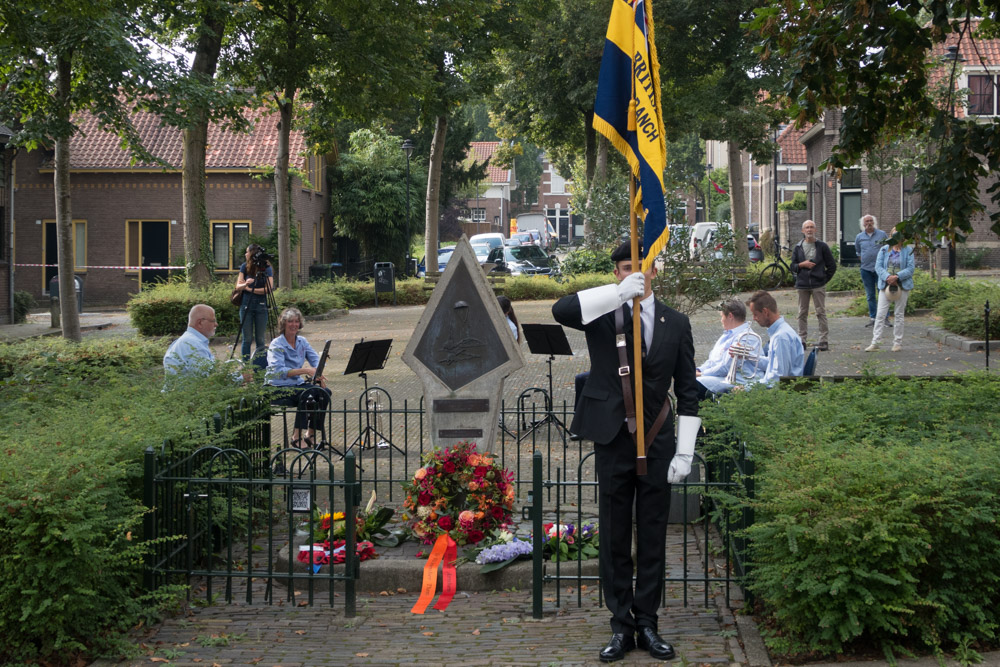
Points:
[(596, 162), (434, 192), (737, 202), (281, 190), (197, 248), (68, 314)]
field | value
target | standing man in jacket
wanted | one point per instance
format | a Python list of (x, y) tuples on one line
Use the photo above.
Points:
[(601, 417), (866, 244), (813, 266)]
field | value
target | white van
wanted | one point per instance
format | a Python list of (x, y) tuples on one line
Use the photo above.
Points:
[(538, 222), (700, 233)]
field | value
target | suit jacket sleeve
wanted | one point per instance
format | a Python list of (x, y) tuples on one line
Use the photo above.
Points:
[(685, 379)]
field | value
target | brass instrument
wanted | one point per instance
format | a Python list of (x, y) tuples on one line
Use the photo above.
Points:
[(745, 357)]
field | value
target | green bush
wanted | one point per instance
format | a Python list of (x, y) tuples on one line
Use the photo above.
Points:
[(971, 258), (23, 303), (846, 279), (77, 419), (875, 517), (927, 293), (585, 260), (964, 314), (798, 203), (163, 309), (540, 288)]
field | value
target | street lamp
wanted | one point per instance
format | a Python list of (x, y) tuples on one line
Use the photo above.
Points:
[(954, 58), (708, 192), (408, 147)]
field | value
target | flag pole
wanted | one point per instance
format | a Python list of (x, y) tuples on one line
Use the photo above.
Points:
[(640, 430)]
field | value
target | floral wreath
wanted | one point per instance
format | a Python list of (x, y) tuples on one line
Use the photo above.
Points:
[(458, 492)]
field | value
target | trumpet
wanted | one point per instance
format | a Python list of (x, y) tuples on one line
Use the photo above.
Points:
[(745, 354)]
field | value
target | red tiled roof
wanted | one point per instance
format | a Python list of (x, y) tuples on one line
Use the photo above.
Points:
[(975, 52), (481, 151), (93, 148), (792, 152)]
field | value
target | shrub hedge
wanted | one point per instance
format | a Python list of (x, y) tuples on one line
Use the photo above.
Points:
[(163, 309), (964, 313), (77, 419), (876, 516)]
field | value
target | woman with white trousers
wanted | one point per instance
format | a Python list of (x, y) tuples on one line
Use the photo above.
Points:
[(894, 266)]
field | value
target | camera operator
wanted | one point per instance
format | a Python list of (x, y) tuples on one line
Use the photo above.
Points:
[(256, 279)]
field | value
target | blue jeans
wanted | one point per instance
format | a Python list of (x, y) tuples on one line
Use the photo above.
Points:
[(870, 279), (254, 324)]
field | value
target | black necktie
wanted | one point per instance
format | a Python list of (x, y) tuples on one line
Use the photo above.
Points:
[(628, 328)]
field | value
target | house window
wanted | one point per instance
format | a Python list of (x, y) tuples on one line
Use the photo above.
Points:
[(981, 95), (478, 214), (229, 244), (557, 184), (50, 251), (850, 179), (911, 198), (314, 172)]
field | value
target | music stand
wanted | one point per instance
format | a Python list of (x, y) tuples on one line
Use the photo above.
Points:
[(547, 339), (369, 356)]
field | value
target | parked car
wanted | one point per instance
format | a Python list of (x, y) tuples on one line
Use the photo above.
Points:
[(492, 239), (512, 242), (523, 238), (482, 251), (536, 222), (444, 254), (753, 248), (525, 260), (699, 239)]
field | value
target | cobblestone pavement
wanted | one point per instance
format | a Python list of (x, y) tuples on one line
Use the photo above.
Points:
[(493, 628)]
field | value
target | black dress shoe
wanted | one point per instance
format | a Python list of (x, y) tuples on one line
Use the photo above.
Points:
[(823, 347), (652, 642), (619, 645)]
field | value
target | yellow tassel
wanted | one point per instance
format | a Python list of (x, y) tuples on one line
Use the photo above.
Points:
[(631, 115)]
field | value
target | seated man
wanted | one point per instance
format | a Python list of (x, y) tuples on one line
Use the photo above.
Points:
[(712, 374), (784, 356), (190, 355)]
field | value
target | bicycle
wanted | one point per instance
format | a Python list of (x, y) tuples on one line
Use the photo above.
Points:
[(773, 275)]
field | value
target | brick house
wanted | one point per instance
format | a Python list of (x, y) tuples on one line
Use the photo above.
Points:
[(489, 210), (6, 227), (777, 182), (128, 219), (554, 195), (837, 204)]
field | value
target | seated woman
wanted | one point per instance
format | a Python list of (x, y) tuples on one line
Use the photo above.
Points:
[(294, 385)]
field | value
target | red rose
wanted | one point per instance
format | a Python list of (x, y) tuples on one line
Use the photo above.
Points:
[(496, 511), (449, 467), (481, 471), (425, 498), (444, 523), (475, 536)]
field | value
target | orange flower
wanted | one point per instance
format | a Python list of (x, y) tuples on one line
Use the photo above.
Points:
[(474, 459), (420, 474)]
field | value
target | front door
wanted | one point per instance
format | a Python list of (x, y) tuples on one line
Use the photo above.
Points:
[(155, 250), (850, 213)]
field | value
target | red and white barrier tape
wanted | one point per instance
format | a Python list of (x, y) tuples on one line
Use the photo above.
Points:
[(127, 268)]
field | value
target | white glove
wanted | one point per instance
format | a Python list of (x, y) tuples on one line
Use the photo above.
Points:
[(632, 286), (680, 465)]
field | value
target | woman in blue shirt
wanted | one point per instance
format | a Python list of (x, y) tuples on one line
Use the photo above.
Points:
[(295, 385), (894, 266), (253, 310)]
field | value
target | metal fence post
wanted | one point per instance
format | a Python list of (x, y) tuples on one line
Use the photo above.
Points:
[(352, 497), (148, 519), (537, 535), (987, 314)]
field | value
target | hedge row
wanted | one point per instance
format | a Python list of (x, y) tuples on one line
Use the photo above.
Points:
[(163, 309), (77, 419), (876, 512)]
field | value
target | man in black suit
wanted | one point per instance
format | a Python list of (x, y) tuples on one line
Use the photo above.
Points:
[(601, 416)]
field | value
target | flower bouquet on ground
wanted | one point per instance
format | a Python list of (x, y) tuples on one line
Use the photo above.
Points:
[(371, 525), (500, 550), (458, 492), (564, 542)]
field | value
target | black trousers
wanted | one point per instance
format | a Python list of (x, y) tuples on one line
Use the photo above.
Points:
[(619, 488), (299, 397)]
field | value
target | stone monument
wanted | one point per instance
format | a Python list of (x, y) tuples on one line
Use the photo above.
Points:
[(462, 349)]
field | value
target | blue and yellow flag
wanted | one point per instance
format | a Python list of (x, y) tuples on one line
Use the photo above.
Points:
[(627, 112)]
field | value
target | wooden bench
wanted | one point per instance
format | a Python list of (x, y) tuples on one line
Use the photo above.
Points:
[(497, 281)]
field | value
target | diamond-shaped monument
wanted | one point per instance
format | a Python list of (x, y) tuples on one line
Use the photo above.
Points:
[(462, 349)]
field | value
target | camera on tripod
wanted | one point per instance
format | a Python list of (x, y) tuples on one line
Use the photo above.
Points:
[(260, 259)]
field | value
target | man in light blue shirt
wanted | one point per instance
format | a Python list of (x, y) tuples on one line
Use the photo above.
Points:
[(785, 355), (866, 244), (712, 373), (190, 355)]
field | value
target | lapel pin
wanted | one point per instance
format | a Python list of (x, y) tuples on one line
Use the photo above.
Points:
[(663, 319)]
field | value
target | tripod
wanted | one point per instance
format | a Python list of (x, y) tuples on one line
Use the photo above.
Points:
[(261, 266), (368, 356), (547, 339)]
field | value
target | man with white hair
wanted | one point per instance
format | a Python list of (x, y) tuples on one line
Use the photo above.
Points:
[(813, 266), (190, 354), (866, 245)]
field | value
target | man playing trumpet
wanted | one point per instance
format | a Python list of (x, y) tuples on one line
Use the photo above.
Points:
[(733, 360)]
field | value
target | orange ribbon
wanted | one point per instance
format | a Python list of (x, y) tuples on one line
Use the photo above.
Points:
[(430, 575), (448, 579)]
